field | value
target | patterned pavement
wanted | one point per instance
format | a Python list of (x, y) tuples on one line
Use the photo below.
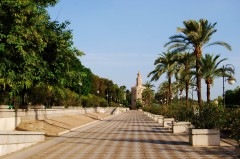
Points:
[(131, 135)]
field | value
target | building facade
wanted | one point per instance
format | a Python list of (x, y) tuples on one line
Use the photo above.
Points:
[(137, 91)]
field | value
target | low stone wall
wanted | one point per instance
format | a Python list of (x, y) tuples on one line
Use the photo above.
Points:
[(119, 110), (9, 124), (9, 118), (11, 141)]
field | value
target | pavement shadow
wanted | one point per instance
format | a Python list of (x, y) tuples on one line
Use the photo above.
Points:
[(161, 142), (153, 130)]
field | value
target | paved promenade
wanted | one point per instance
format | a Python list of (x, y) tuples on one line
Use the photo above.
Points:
[(131, 135)]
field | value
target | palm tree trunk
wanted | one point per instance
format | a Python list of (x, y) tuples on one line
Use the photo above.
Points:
[(199, 84), (187, 88), (198, 54), (170, 90), (208, 92)]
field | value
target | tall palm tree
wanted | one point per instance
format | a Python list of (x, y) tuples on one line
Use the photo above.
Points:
[(186, 63), (148, 92), (209, 70), (166, 63), (195, 35)]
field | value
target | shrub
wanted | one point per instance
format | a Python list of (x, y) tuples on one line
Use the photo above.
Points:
[(232, 124), (90, 101), (209, 117), (71, 98), (103, 103), (181, 112)]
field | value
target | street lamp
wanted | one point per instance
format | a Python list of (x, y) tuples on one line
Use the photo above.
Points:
[(227, 71), (107, 97), (98, 92), (80, 84)]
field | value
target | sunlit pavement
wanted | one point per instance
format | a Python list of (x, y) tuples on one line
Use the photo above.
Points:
[(129, 135)]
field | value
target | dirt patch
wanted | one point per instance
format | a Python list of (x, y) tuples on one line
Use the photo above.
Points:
[(55, 125)]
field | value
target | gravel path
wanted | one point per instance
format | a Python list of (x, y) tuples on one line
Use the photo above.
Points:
[(131, 135)]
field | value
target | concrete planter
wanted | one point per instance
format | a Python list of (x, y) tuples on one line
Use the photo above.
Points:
[(149, 115), (204, 137), (167, 122), (160, 120), (180, 126), (155, 118)]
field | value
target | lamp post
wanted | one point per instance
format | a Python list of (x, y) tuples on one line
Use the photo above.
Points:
[(107, 98), (98, 93), (181, 95), (227, 71), (80, 84)]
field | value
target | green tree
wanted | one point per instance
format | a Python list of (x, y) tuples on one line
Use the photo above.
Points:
[(148, 93), (209, 70), (166, 63), (232, 97), (34, 52), (22, 40), (162, 91), (185, 64), (195, 35)]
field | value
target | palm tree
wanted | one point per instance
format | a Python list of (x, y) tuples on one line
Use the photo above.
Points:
[(209, 70), (166, 63), (148, 92), (163, 91), (195, 36), (185, 61)]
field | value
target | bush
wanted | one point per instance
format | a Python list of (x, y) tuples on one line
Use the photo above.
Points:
[(125, 103), (71, 98), (103, 103), (232, 124), (209, 117), (180, 112), (90, 101)]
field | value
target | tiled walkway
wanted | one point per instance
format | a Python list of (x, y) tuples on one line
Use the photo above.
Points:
[(129, 135)]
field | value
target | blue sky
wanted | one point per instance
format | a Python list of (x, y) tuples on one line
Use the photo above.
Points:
[(122, 37)]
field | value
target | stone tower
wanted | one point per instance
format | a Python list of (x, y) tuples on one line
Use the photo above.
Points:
[(137, 91)]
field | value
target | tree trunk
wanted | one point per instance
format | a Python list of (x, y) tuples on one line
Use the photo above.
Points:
[(199, 85), (170, 90), (208, 92), (187, 88), (23, 101), (198, 54)]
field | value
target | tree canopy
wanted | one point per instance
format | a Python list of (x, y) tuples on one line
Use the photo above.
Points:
[(39, 63)]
